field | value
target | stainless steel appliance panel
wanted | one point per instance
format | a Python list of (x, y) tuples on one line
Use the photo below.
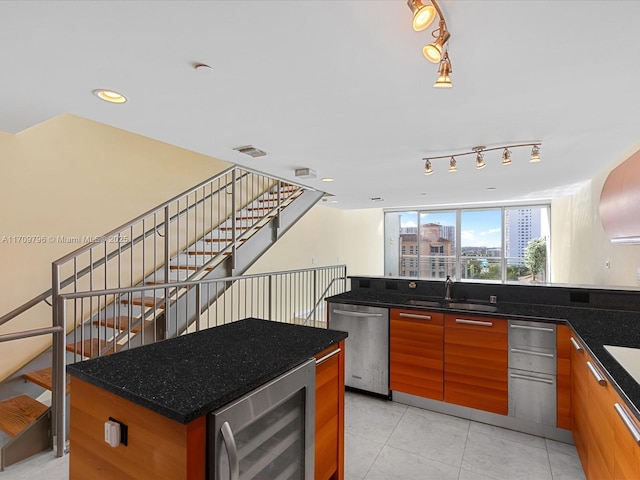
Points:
[(533, 359), (534, 334), (268, 433), (366, 347), (532, 397)]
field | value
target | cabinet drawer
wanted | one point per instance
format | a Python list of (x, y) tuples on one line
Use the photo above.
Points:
[(532, 334), (433, 318), (533, 359)]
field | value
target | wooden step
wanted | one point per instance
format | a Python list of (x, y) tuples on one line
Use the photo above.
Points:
[(228, 240), (188, 267), (91, 348), (258, 217), (147, 301), (43, 378), (119, 323), (201, 252), (231, 228), (17, 413)]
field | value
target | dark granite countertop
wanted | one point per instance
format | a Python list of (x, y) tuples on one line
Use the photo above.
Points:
[(595, 327), (186, 377)]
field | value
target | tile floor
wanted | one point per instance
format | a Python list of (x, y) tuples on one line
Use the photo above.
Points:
[(387, 440)]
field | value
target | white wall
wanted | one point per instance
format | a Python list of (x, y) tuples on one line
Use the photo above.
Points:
[(580, 247), (328, 236)]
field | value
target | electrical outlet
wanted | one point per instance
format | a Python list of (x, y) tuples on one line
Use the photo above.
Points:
[(607, 264)]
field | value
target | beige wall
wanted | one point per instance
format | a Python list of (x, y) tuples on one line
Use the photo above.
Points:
[(580, 247), (331, 237), (73, 177)]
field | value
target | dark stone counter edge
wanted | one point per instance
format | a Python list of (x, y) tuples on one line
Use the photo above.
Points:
[(622, 381), (218, 402)]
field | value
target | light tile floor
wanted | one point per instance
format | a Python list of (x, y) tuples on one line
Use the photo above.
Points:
[(388, 441)]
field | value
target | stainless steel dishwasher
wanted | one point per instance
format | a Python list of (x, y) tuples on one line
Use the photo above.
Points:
[(366, 347), (532, 371)]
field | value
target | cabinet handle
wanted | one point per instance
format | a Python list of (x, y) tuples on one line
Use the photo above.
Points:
[(532, 379), (474, 322), (232, 451), (596, 374), (415, 315), (349, 313), (575, 344), (527, 327), (626, 419), (529, 352), (327, 356)]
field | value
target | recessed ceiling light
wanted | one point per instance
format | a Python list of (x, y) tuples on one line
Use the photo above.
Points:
[(110, 96), (333, 201), (491, 188), (327, 179), (377, 199)]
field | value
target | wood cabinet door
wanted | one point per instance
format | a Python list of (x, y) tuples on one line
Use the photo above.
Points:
[(563, 371), (329, 435), (416, 353), (601, 442), (626, 430), (476, 362), (580, 401)]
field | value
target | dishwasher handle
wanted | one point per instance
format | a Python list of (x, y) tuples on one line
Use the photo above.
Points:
[(349, 313)]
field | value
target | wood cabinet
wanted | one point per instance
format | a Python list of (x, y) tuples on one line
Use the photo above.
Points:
[(606, 434), (329, 446), (563, 374), (417, 353), (626, 430), (158, 448), (476, 362)]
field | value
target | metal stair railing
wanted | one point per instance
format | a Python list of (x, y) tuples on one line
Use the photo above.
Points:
[(277, 296)]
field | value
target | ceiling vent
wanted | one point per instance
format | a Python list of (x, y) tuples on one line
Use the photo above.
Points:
[(251, 151), (305, 173), (619, 202)]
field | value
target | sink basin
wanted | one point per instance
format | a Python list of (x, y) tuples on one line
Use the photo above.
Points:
[(425, 303), (477, 307)]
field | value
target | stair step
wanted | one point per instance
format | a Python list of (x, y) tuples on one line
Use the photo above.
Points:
[(118, 323), (258, 217), (231, 228), (91, 348), (223, 239), (200, 252), (17, 413), (147, 301), (43, 378), (188, 267)]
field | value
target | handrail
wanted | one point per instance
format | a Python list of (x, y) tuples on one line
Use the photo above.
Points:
[(322, 296), (24, 307), (186, 283)]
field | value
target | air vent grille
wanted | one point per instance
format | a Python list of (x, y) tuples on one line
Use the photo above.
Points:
[(251, 151)]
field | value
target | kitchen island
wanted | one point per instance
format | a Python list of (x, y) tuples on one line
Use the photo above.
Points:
[(164, 391)]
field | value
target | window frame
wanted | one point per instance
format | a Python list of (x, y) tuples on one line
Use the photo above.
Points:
[(457, 257)]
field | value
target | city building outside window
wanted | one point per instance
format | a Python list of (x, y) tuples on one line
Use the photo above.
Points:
[(487, 244)]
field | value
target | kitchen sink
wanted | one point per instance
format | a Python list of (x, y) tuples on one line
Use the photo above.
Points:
[(477, 307), (426, 303)]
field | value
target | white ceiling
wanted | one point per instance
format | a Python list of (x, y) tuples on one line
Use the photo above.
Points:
[(340, 86)]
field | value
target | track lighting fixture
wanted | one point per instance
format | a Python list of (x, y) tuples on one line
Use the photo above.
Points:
[(444, 80), (480, 160), (506, 157), (427, 167), (423, 15), (535, 154), (479, 152)]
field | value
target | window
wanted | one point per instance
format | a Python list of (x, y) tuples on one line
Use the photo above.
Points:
[(487, 244)]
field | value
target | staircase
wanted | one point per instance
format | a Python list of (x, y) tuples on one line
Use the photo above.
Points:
[(218, 229)]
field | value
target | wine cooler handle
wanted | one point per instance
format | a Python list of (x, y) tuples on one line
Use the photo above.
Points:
[(232, 451)]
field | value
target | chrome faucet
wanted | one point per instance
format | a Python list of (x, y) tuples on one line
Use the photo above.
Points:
[(447, 293)]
